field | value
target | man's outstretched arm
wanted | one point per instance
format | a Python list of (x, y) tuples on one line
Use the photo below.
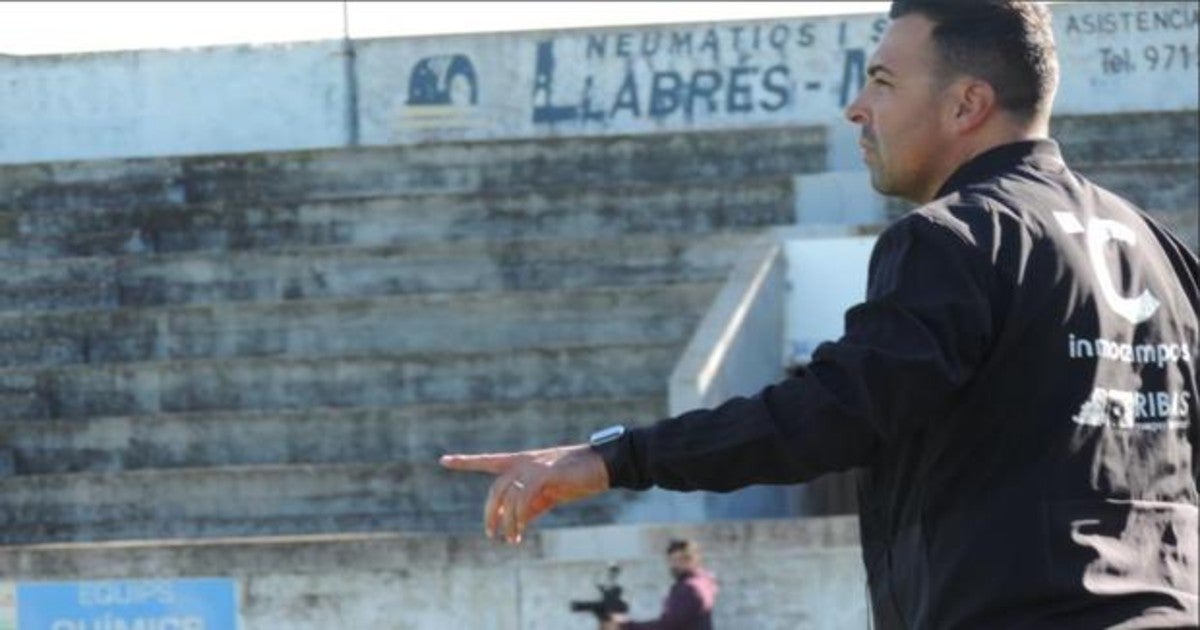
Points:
[(917, 340)]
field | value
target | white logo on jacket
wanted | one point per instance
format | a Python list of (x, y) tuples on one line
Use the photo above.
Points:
[(1097, 234)]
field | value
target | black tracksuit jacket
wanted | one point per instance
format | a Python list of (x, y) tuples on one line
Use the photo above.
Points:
[(1019, 394)]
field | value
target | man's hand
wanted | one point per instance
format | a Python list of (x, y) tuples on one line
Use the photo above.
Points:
[(614, 622), (529, 483)]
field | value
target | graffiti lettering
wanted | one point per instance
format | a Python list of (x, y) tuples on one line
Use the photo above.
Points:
[(737, 90), (1174, 19), (627, 98), (713, 41), (740, 89), (1116, 61), (544, 111), (854, 65), (854, 74), (1153, 58), (699, 83), (1168, 56)]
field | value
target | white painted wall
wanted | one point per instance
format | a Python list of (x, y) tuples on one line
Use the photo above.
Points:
[(826, 276), (800, 71), (1128, 56), (773, 574), (211, 100)]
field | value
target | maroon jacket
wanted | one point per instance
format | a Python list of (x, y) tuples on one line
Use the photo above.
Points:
[(688, 606)]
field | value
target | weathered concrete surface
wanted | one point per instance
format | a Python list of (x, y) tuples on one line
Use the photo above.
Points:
[(1106, 138), (245, 302), (774, 574), (481, 321), (1116, 57), (212, 99), (109, 282), (382, 379), (413, 433), (695, 210), (256, 500), (1162, 188), (563, 212), (230, 501), (452, 168), (1150, 157)]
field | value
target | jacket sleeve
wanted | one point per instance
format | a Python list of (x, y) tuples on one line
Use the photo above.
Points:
[(917, 339), (681, 611)]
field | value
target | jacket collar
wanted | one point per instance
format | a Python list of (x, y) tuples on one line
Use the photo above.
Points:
[(999, 158)]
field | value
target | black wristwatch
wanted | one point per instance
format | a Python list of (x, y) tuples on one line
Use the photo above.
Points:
[(607, 435), (609, 445)]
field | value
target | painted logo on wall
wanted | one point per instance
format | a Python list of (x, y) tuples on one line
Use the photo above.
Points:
[(443, 92), (761, 71), (443, 80)]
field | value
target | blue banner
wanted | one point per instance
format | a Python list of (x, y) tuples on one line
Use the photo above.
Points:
[(168, 604)]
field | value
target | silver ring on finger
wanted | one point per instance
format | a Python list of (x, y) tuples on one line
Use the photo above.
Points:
[(518, 484)]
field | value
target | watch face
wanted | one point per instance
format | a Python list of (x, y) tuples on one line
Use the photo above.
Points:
[(604, 436)]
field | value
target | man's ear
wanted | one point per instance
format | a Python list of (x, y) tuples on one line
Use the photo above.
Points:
[(974, 103)]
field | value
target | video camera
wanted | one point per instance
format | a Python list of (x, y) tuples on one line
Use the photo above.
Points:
[(610, 601)]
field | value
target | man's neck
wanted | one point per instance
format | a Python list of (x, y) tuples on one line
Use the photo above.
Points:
[(984, 140)]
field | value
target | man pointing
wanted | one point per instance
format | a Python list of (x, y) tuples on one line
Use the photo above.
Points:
[(1026, 460)]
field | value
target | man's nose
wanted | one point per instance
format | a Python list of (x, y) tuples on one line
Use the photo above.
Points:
[(854, 111)]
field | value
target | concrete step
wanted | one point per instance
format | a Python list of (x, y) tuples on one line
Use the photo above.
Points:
[(381, 379), (592, 547), (1162, 185), (443, 322), (1130, 137), (462, 167), (37, 285), (414, 433), (340, 272), (255, 501), (572, 213)]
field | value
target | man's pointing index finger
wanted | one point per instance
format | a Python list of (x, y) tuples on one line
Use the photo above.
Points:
[(494, 463)]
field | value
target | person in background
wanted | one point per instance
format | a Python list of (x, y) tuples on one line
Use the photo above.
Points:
[(689, 604)]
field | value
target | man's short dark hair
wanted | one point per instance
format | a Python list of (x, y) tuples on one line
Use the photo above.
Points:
[(682, 544), (1008, 43)]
